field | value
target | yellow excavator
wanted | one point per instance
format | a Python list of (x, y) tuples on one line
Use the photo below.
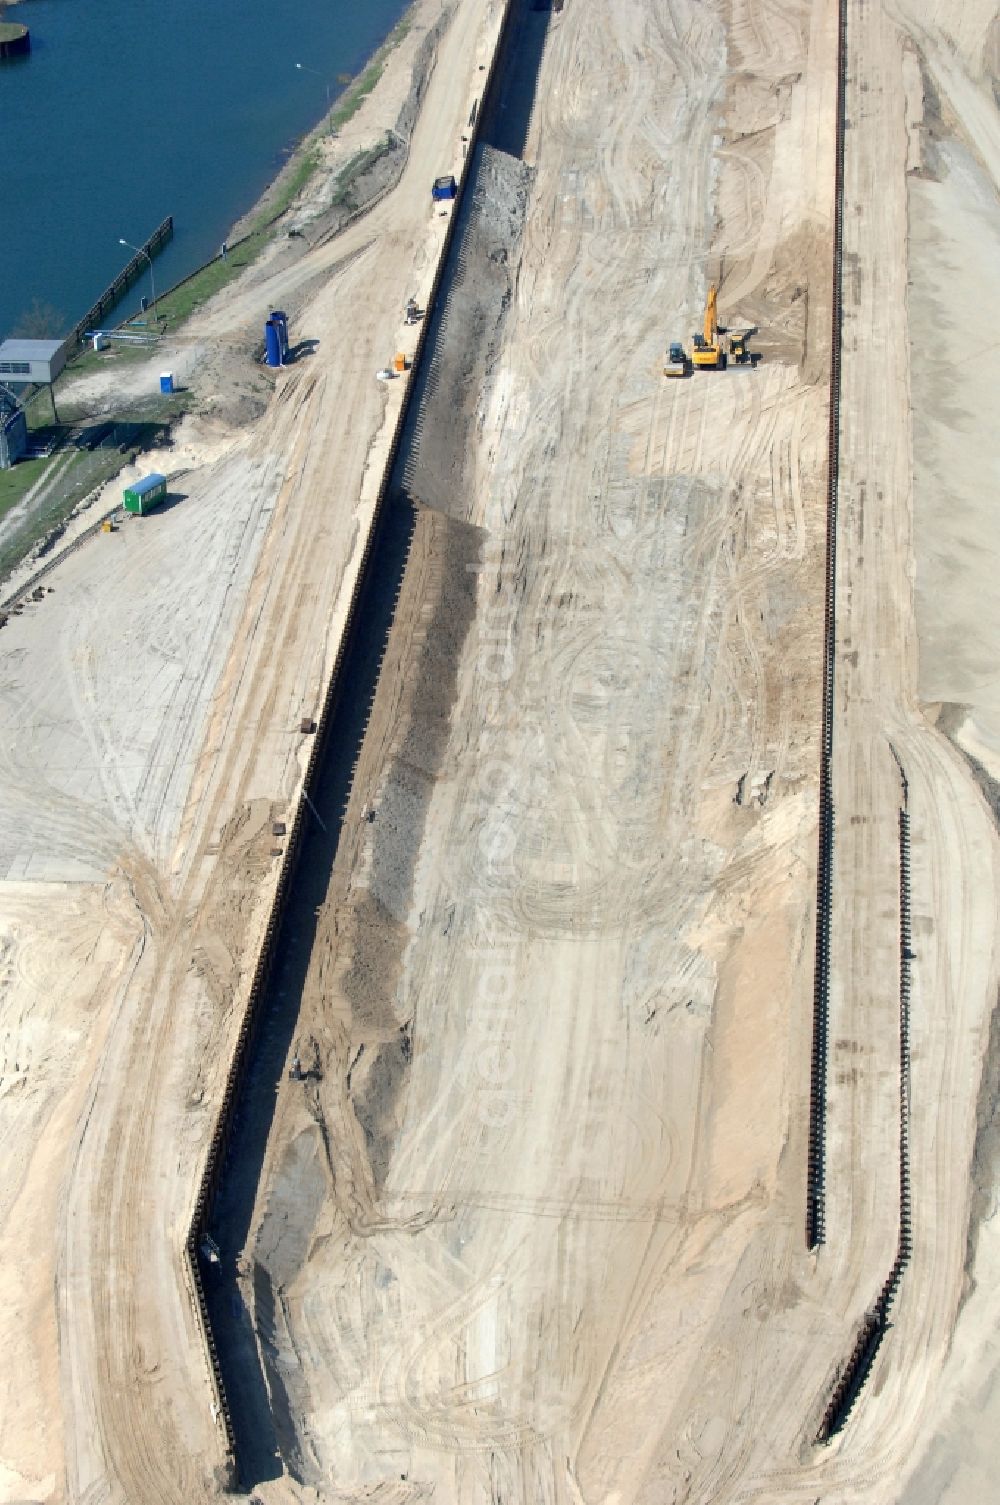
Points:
[(707, 350), (708, 353)]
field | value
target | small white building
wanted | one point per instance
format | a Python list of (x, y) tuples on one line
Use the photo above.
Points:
[(35, 362)]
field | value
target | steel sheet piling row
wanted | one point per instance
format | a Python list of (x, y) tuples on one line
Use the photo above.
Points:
[(876, 1324), (816, 1154), (220, 1140)]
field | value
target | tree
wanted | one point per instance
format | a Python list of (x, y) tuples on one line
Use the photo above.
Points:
[(40, 322)]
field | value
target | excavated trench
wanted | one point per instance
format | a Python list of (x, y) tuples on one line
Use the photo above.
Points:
[(426, 513), (255, 1427)]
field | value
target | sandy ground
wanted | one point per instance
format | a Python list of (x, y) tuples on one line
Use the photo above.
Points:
[(601, 961), (557, 1254), (150, 706), (532, 1229), (954, 233)]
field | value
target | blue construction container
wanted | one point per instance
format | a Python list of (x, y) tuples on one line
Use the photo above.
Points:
[(444, 188), (272, 343), (166, 381), (281, 319)]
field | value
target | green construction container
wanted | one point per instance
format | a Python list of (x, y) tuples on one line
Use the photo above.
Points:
[(144, 495)]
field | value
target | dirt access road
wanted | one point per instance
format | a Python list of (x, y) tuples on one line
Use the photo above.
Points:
[(149, 711)]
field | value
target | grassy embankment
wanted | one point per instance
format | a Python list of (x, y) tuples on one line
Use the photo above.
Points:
[(17, 481), (71, 477)]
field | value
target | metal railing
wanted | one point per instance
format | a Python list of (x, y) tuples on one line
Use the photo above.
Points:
[(126, 278)]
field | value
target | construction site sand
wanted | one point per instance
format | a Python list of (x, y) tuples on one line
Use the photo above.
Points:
[(506, 1289), (545, 1267), (151, 702), (555, 1247), (954, 235)]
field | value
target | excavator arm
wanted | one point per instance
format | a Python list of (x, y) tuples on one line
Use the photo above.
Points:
[(708, 354), (711, 316), (707, 350)]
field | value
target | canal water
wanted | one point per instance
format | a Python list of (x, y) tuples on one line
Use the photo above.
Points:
[(125, 113)]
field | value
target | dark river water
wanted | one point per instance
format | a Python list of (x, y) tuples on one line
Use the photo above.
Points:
[(126, 112)]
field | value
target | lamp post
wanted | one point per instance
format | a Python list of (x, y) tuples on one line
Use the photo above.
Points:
[(303, 69), (140, 252)]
